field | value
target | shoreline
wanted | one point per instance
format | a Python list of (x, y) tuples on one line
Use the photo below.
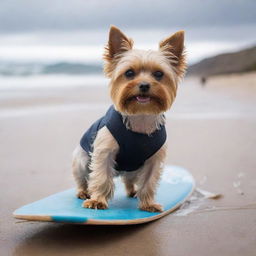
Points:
[(234, 94)]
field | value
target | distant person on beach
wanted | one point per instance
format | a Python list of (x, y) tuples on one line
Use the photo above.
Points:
[(203, 81)]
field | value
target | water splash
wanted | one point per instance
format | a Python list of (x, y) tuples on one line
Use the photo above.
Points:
[(196, 200)]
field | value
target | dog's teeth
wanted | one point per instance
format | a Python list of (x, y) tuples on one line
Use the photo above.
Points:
[(142, 99)]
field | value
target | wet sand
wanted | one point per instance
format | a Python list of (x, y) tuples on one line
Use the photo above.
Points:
[(211, 131)]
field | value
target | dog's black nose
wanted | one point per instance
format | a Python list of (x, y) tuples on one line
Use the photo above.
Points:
[(144, 87)]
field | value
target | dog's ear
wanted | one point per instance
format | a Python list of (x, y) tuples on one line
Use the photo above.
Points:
[(174, 44), (173, 48), (118, 43)]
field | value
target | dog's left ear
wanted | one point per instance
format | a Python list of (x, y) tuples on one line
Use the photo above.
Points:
[(118, 43), (173, 48)]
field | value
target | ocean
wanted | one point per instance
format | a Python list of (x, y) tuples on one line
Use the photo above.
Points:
[(68, 58)]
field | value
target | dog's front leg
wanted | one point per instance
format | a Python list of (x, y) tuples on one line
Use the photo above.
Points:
[(148, 181), (101, 184)]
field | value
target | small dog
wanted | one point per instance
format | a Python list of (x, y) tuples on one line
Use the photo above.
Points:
[(130, 140)]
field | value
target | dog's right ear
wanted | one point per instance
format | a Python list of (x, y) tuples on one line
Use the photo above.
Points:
[(118, 43), (173, 48)]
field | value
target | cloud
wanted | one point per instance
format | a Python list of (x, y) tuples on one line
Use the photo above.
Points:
[(29, 15)]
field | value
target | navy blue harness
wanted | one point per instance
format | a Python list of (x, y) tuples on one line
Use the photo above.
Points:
[(134, 148)]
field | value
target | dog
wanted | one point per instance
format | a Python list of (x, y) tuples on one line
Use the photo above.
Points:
[(130, 140)]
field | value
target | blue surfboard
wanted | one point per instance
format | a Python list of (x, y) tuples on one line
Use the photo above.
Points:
[(175, 187)]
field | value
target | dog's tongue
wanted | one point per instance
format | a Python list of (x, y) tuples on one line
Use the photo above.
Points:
[(142, 99)]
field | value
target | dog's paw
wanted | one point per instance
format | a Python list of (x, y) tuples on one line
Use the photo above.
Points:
[(94, 204), (132, 193), (82, 194), (152, 207)]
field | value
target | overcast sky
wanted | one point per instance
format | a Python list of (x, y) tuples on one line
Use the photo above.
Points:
[(36, 15), (76, 30)]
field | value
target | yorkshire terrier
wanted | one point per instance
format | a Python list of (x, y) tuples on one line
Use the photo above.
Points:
[(130, 140)]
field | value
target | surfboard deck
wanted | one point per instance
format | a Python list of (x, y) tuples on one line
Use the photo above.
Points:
[(175, 187)]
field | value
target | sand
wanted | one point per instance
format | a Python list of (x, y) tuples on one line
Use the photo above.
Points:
[(211, 131)]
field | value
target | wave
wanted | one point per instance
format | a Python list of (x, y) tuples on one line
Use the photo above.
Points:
[(28, 69)]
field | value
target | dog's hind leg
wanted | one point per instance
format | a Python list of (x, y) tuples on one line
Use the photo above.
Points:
[(81, 171), (129, 179)]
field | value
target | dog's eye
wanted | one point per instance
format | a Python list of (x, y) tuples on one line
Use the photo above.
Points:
[(158, 75), (130, 73)]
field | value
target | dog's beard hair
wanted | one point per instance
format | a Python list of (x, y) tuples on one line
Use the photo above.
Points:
[(147, 123), (124, 98), (131, 107)]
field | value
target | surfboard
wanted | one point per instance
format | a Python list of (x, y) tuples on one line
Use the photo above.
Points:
[(175, 186)]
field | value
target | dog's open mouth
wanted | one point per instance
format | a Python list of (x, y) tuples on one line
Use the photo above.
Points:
[(142, 99)]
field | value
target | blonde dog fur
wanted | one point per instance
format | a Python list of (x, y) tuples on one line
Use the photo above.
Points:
[(94, 173)]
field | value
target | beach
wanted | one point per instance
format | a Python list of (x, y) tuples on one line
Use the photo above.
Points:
[(211, 132)]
